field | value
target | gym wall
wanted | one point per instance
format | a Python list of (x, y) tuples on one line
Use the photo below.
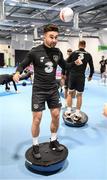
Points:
[(18, 42)]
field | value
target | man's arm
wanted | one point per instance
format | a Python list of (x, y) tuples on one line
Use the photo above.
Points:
[(91, 68), (27, 61), (67, 65)]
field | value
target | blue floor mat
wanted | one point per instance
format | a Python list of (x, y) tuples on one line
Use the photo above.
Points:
[(87, 158)]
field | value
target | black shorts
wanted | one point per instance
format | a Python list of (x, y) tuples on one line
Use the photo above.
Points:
[(102, 70), (77, 82), (40, 97)]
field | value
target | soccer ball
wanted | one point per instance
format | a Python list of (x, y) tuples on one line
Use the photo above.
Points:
[(66, 14)]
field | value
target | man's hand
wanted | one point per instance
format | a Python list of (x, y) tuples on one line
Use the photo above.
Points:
[(78, 62), (16, 77)]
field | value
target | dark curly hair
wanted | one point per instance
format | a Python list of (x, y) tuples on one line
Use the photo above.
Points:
[(50, 27)]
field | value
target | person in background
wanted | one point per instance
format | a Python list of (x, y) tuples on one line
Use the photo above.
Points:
[(77, 78), (5, 79), (65, 77), (45, 59), (102, 66)]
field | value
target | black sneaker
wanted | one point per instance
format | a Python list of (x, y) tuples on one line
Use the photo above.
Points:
[(55, 146), (36, 153)]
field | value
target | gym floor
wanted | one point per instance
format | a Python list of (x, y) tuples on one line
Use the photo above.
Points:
[(87, 145)]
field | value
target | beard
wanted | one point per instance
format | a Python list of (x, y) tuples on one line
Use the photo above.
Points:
[(52, 45)]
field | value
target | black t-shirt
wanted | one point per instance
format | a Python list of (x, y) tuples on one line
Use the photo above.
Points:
[(86, 59), (103, 64), (45, 61)]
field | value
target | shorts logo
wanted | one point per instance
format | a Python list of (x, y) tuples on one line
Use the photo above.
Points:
[(35, 106), (55, 58)]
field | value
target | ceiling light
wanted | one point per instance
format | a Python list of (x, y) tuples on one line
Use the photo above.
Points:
[(25, 38), (105, 29)]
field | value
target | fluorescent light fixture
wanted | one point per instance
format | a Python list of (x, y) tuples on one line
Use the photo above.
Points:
[(105, 29), (26, 37)]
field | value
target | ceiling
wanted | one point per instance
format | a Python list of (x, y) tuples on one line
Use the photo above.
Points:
[(22, 16)]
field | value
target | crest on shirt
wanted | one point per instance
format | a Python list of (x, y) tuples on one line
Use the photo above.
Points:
[(55, 58)]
